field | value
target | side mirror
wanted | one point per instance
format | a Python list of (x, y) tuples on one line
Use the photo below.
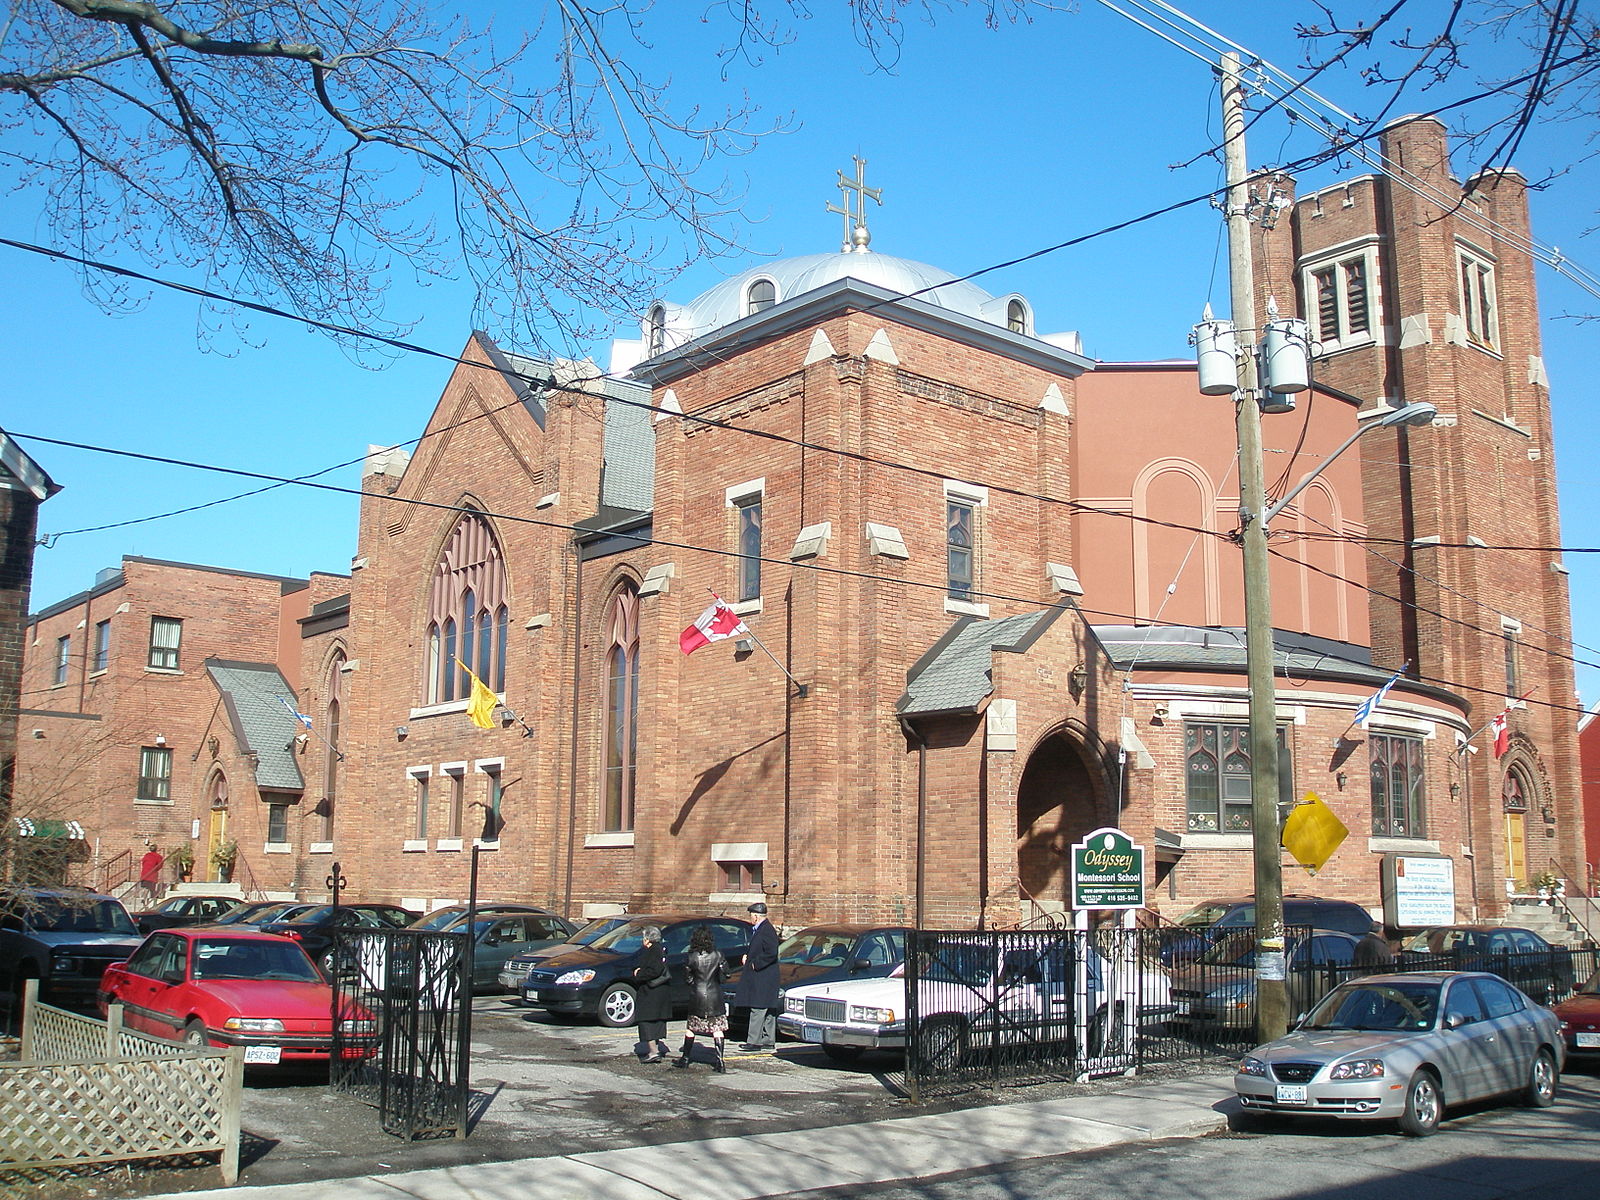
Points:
[(172, 975), (1455, 1020), (861, 964)]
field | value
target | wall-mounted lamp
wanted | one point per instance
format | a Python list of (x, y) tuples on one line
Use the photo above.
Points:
[(400, 732), (1455, 791), (1339, 778), (39, 733), (1159, 714), (1078, 680), (1548, 814), (161, 740)]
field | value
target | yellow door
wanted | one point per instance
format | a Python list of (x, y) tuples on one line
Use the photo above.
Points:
[(1516, 848)]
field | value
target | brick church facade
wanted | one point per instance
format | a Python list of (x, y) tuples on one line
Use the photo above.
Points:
[(990, 596)]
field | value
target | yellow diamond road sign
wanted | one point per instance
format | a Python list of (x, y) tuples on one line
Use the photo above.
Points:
[(1312, 833)]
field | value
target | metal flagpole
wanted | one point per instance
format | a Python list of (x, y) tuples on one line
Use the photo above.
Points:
[(1509, 706), (800, 688), (308, 727)]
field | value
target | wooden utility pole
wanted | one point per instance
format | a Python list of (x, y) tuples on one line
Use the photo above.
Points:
[(1272, 1000)]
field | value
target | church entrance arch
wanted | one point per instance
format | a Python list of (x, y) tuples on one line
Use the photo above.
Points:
[(1061, 798)]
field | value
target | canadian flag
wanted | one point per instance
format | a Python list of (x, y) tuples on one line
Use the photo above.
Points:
[(1502, 734), (715, 624)]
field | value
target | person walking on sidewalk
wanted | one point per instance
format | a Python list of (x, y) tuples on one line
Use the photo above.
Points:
[(758, 982), (708, 1012), (653, 1002)]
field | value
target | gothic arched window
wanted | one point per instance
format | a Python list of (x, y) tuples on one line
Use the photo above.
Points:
[(621, 736), (1017, 317), (330, 768), (655, 339), (468, 618)]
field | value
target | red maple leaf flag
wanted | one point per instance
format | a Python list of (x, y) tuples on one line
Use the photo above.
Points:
[(1502, 734), (715, 624)]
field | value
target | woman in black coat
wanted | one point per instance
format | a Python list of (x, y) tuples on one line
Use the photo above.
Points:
[(708, 1012), (653, 1004)]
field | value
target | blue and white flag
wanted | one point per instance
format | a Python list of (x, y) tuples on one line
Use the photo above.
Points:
[(298, 716), (1370, 704)]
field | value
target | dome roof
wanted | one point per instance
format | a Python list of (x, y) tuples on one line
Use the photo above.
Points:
[(726, 303)]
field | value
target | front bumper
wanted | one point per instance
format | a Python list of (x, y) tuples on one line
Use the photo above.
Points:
[(795, 1026), (563, 999), (1357, 1099)]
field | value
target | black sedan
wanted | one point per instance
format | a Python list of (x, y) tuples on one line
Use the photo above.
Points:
[(829, 953), (259, 912), (184, 910), (598, 979), (314, 929), (439, 918), (1518, 956), (514, 971)]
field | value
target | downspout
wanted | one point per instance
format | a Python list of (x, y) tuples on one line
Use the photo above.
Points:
[(572, 759), (922, 814)]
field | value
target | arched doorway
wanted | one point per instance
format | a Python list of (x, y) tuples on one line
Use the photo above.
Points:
[(1060, 799), (1515, 792), (217, 797)]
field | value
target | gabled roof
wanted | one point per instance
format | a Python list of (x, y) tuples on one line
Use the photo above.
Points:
[(957, 674), (261, 707), (20, 473)]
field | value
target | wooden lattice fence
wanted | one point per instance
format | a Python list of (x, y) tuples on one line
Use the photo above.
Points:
[(89, 1091)]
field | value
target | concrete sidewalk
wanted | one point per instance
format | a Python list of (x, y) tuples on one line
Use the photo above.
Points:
[(778, 1163)]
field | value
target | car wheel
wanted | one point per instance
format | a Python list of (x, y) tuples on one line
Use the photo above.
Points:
[(194, 1036), (1424, 1106), (842, 1054), (618, 1005), (943, 1042), (1540, 1091), (1106, 1031)]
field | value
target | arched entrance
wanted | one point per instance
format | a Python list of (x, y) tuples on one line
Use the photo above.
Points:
[(1515, 793), (217, 796), (1060, 799)]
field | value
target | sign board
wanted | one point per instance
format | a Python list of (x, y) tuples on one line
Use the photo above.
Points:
[(1107, 871), (1418, 889), (1312, 833)]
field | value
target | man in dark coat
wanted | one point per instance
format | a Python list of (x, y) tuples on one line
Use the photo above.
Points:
[(758, 982)]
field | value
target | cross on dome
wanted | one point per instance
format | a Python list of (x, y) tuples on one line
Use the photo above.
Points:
[(856, 236)]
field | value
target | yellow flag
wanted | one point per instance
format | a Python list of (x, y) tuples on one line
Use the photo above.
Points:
[(481, 705), (1313, 832)]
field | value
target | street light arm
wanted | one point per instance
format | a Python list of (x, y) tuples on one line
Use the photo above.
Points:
[(1418, 413)]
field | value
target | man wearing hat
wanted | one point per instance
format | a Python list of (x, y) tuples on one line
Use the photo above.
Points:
[(758, 982)]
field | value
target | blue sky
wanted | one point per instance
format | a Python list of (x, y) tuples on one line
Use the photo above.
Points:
[(988, 144)]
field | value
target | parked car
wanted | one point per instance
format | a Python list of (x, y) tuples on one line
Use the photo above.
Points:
[(514, 972), (597, 979), (499, 935), (1201, 927), (211, 987), (965, 994), (824, 953), (257, 912), (1580, 1020), (314, 928), (1402, 1047), (1219, 989), (184, 910), (1518, 956), (63, 937), (439, 918)]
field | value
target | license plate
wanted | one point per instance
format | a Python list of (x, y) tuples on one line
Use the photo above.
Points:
[(812, 1033), (1589, 1041), (1291, 1093), (262, 1054)]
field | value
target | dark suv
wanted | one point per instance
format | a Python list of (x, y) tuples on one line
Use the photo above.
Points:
[(63, 937), (1204, 924)]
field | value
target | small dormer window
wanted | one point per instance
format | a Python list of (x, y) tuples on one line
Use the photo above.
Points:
[(1017, 317), (760, 295), (655, 331)]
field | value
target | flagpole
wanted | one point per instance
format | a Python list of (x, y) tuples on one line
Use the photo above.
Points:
[(527, 730), (309, 728), (1493, 719), (1376, 699), (799, 688)]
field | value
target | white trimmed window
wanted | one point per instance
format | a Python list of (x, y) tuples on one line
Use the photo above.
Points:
[(333, 721), (761, 295), (456, 773), (621, 732), (420, 779), (155, 773), (166, 637), (745, 501), (1398, 808), (1017, 316), (1511, 636), (63, 658), (963, 532), (1341, 299), (102, 645), (494, 793), (1478, 305)]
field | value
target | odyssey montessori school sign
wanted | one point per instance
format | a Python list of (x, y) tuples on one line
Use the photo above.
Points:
[(1107, 871)]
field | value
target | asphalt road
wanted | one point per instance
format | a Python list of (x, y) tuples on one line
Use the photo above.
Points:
[(1483, 1153)]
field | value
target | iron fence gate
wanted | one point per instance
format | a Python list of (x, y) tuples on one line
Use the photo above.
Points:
[(403, 1026)]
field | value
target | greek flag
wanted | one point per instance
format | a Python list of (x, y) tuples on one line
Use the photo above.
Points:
[(1370, 704)]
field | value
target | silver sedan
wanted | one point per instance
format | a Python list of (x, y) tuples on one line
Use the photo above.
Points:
[(1402, 1047)]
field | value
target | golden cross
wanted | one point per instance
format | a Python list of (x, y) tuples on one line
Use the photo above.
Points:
[(858, 185)]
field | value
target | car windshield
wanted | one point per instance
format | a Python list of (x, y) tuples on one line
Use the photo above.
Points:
[(1389, 1006), (1203, 915), (817, 948), (247, 912), (1236, 950), (624, 939), (252, 958), (1445, 941), (439, 919), (86, 916), (971, 965), (308, 916), (597, 928)]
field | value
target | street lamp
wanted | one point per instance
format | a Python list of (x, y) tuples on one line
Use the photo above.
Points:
[(1418, 412)]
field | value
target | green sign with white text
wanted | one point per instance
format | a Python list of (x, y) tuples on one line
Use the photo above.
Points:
[(1107, 871)]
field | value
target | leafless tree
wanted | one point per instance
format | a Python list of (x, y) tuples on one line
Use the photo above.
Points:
[(279, 149)]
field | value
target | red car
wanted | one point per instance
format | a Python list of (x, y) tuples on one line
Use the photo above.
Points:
[(217, 987), (1580, 1020)]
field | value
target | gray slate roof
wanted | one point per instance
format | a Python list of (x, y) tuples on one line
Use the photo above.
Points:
[(958, 676), (255, 695), (1203, 648)]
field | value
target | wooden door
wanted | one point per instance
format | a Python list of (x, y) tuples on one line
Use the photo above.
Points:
[(1516, 848)]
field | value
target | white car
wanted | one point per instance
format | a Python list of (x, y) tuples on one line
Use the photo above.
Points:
[(972, 993)]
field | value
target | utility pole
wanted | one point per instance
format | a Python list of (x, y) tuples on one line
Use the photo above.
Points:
[(1272, 999)]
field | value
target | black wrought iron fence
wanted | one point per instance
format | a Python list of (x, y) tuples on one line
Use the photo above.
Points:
[(1547, 976), (404, 1000)]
